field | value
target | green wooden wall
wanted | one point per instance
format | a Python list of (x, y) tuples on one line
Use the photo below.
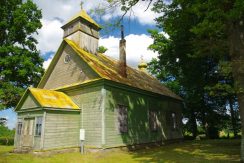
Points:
[(30, 102), (138, 119), (76, 70), (90, 100), (61, 129)]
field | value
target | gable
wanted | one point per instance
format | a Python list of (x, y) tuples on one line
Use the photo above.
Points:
[(63, 73), (29, 102), (42, 98)]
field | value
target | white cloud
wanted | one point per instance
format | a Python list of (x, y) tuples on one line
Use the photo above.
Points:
[(47, 62), (136, 13), (136, 46), (165, 34), (50, 36), (64, 11), (60, 11), (58, 8)]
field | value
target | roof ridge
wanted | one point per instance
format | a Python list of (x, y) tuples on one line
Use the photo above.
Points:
[(107, 68)]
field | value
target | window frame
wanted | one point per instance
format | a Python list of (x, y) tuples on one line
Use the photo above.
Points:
[(173, 118), (152, 119), (38, 126), (19, 129), (122, 124)]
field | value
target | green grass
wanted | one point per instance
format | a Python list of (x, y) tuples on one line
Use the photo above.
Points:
[(189, 151)]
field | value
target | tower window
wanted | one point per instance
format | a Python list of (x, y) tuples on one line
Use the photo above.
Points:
[(122, 118)]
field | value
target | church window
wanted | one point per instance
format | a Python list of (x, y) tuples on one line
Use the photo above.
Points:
[(153, 120), (19, 128), (38, 129), (173, 116), (122, 118)]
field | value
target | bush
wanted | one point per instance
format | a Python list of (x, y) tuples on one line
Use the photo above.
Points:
[(6, 141)]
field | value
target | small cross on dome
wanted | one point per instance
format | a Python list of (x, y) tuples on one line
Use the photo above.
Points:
[(81, 5)]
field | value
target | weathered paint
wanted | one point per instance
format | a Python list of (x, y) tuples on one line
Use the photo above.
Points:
[(138, 119), (21, 116), (51, 98), (29, 102), (90, 99), (85, 40), (76, 70), (61, 129), (83, 15)]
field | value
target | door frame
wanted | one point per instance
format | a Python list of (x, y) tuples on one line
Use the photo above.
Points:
[(26, 131)]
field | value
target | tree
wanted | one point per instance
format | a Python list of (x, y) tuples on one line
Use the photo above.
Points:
[(20, 63), (216, 34), (3, 121), (102, 49)]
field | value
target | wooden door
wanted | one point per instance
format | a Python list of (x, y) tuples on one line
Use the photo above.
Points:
[(28, 133)]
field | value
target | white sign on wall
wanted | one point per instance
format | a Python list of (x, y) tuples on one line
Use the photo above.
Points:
[(82, 134)]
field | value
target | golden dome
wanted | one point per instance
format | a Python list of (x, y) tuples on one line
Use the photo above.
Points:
[(142, 65)]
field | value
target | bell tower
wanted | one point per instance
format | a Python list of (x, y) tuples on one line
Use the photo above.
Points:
[(83, 31)]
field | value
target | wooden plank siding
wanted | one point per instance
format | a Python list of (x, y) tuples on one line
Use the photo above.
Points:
[(89, 99), (76, 70), (30, 102), (138, 119), (20, 117), (83, 35), (85, 41), (61, 129)]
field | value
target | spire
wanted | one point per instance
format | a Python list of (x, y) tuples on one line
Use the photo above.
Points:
[(142, 65)]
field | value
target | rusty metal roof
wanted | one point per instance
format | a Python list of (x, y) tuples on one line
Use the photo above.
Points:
[(54, 99), (107, 68)]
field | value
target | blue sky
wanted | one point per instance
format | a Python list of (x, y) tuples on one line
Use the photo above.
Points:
[(60, 11)]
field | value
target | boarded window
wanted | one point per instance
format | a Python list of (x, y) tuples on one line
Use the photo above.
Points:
[(38, 129), (173, 116), (19, 128), (122, 119), (153, 120)]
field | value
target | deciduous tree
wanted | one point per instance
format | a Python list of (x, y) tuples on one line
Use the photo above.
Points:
[(20, 63)]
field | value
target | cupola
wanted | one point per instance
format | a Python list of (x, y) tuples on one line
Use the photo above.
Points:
[(83, 31), (142, 65)]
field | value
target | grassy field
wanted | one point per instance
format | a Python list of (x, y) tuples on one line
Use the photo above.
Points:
[(188, 151)]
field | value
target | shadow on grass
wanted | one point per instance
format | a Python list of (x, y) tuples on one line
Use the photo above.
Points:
[(189, 152), (192, 151)]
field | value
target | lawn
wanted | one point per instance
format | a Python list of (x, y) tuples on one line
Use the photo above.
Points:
[(188, 151)]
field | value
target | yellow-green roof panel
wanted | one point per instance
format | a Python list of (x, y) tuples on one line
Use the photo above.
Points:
[(54, 99), (84, 15), (107, 68)]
